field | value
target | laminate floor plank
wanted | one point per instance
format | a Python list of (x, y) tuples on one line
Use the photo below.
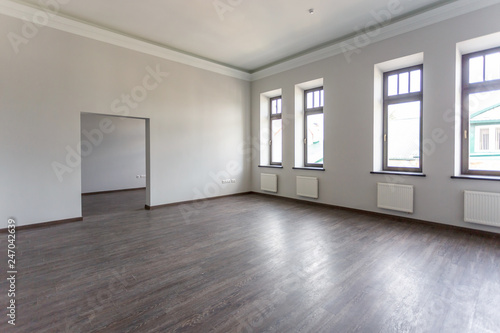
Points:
[(250, 263)]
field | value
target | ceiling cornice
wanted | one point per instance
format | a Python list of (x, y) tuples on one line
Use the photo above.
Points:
[(400, 27), (23, 11), (85, 29)]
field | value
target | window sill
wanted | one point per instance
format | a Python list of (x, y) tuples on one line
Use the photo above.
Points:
[(309, 168), (471, 177), (271, 166), (399, 173)]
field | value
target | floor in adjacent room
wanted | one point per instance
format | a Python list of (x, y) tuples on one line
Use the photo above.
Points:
[(250, 263)]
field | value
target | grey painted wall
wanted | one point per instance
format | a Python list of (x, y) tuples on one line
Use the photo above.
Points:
[(111, 161), (349, 119), (199, 122), (202, 128)]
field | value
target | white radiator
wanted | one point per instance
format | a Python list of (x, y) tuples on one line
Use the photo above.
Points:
[(307, 187), (395, 197), (269, 182), (482, 208)]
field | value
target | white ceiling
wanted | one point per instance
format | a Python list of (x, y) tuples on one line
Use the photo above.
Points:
[(245, 34)]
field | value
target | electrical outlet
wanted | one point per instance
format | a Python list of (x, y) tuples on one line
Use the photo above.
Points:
[(226, 181), (233, 181)]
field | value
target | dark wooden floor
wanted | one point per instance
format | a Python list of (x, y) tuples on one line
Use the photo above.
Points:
[(251, 263), (113, 202)]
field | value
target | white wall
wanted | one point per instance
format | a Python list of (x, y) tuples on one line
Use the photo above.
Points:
[(199, 122), (349, 117), (112, 160)]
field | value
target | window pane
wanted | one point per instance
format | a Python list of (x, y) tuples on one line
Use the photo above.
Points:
[(476, 69), (415, 80), (403, 83), (497, 139), (322, 97), (492, 66), (273, 106), (316, 99), (484, 139), (484, 114), (403, 135), (310, 100), (277, 141), (315, 137), (278, 106), (393, 85)]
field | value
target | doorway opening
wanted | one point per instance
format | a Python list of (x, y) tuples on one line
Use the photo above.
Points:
[(115, 164)]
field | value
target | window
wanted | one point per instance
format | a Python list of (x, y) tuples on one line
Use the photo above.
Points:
[(276, 141), (497, 138), (481, 113), (484, 139), (488, 139), (271, 128), (313, 127), (402, 109)]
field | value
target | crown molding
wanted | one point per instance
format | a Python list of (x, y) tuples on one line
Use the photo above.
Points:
[(439, 14), (84, 29)]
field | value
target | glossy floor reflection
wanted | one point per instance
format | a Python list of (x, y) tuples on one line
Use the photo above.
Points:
[(252, 263)]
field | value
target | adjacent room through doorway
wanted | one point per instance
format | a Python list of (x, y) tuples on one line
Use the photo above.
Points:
[(114, 154)]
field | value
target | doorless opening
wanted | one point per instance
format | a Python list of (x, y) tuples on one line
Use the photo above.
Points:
[(115, 163)]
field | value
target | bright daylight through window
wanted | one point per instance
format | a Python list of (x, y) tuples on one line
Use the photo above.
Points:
[(403, 97), (276, 141), (314, 128), (481, 113)]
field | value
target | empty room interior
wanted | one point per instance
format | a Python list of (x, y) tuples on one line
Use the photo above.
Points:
[(250, 166)]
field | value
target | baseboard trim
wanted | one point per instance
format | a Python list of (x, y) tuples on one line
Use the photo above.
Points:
[(389, 216), (114, 191), (80, 219), (44, 224), (193, 201), (361, 211)]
